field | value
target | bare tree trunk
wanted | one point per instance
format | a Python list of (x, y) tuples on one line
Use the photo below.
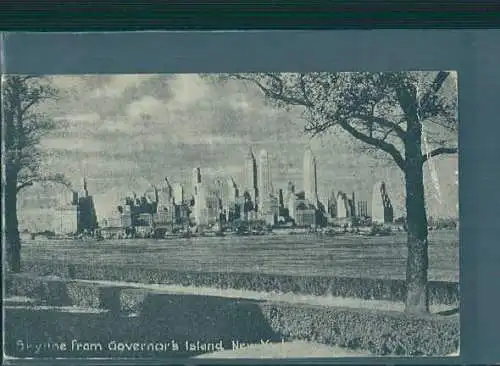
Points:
[(417, 297), (13, 241)]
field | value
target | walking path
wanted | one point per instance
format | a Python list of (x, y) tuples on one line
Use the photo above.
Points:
[(268, 296), (295, 349)]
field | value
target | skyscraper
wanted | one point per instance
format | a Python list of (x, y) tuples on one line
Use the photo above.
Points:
[(281, 199), (219, 188), (264, 179), (165, 195), (292, 205), (230, 198), (201, 209), (196, 180), (230, 193), (232, 189), (178, 191), (200, 198), (310, 178), (250, 176)]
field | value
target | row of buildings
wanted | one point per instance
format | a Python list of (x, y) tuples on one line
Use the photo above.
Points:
[(222, 204)]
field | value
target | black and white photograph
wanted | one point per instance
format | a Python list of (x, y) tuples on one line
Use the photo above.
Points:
[(240, 215)]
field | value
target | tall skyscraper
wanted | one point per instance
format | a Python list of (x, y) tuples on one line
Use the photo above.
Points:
[(230, 193), (232, 189), (292, 205), (201, 209), (250, 176), (290, 189), (85, 190), (196, 180), (178, 192), (200, 198), (281, 199), (264, 181), (165, 195), (332, 204), (310, 178), (264, 178), (219, 188)]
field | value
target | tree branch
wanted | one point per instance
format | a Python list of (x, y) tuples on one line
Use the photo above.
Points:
[(439, 151), (436, 85), (383, 145), (29, 180), (23, 185), (30, 104), (273, 94), (382, 122)]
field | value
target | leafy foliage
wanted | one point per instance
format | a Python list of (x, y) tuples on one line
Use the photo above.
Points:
[(409, 116), (25, 125), (371, 107)]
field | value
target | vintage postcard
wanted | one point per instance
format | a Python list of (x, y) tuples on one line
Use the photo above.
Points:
[(253, 215)]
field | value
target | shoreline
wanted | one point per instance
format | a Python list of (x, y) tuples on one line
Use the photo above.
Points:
[(332, 232)]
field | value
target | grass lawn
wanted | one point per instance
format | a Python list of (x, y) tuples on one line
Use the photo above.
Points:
[(343, 256)]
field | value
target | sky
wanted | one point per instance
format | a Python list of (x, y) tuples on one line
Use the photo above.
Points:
[(127, 132)]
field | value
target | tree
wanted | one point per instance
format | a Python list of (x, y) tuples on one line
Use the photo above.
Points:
[(23, 126), (399, 114)]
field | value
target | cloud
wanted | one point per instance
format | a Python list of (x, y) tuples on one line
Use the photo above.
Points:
[(117, 84), (144, 108), (72, 144), (189, 89), (123, 131)]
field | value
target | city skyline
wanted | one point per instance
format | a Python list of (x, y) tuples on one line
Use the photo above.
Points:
[(126, 132)]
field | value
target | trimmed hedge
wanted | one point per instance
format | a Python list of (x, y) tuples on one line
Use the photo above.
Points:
[(53, 291), (95, 296), (440, 292), (380, 332), (164, 315), (132, 299)]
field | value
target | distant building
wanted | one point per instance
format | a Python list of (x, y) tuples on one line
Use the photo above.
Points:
[(196, 180), (145, 219), (292, 206), (164, 217), (178, 194), (382, 210), (201, 211), (332, 205), (200, 206), (111, 222), (233, 211), (264, 176), (126, 220), (213, 207), (65, 220), (305, 215), (229, 197), (270, 209), (362, 210), (68, 220), (86, 217), (281, 201), (250, 176), (310, 178), (165, 195), (342, 206), (181, 214)]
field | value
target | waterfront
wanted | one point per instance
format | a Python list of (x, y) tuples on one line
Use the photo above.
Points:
[(303, 255)]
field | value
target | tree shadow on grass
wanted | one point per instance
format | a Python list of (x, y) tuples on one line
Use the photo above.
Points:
[(164, 320)]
